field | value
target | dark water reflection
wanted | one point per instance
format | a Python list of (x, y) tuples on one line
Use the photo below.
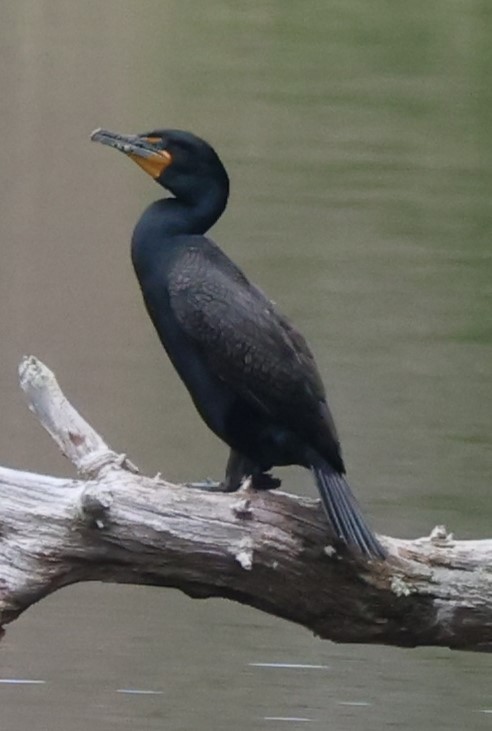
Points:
[(358, 140)]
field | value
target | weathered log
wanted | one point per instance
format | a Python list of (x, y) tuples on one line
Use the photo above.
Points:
[(266, 549)]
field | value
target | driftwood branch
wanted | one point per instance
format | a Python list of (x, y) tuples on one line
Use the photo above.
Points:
[(266, 549)]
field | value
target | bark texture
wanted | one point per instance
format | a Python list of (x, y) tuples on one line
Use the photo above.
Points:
[(266, 549)]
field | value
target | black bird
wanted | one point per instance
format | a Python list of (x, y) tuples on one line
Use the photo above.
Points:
[(250, 373)]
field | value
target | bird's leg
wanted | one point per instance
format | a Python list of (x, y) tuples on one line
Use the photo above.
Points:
[(209, 485), (239, 468), (233, 477)]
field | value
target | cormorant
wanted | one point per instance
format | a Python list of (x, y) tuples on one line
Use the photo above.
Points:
[(250, 373)]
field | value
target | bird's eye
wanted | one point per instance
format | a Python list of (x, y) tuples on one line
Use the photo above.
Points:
[(184, 146)]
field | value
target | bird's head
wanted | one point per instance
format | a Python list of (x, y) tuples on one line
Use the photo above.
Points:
[(180, 161)]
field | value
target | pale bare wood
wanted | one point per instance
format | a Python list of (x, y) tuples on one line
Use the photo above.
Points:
[(266, 549)]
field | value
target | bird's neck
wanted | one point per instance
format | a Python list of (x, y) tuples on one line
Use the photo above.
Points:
[(193, 215), (168, 222)]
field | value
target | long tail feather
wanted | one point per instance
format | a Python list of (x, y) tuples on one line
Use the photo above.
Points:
[(343, 511)]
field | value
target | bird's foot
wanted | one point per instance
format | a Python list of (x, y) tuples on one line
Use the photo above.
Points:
[(265, 481), (208, 485), (258, 481), (261, 481)]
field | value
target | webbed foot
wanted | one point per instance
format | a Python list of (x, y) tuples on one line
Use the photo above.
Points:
[(265, 481), (208, 485)]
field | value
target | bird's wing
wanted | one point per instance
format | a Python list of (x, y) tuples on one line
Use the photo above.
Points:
[(245, 341)]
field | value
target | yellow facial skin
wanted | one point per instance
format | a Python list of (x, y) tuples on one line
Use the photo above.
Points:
[(155, 163)]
